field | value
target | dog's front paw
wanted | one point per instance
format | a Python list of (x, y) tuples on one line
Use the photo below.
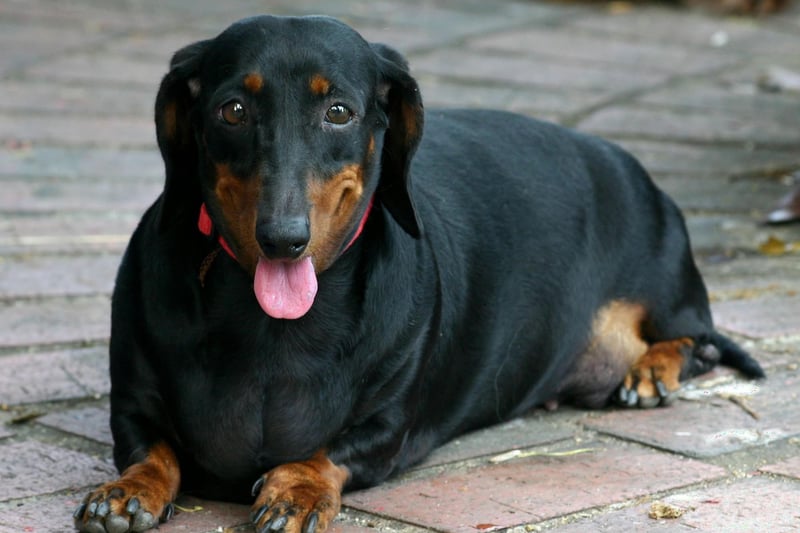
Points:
[(299, 497), (120, 507)]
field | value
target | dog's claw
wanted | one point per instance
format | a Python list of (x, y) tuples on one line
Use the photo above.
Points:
[(621, 397), (277, 524), (255, 517), (103, 509), (133, 505), (662, 390), (311, 523), (633, 398), (257, 486), (169, 512), (79, 511)]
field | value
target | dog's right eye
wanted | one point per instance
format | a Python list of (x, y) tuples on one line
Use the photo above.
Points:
[(233, 113)]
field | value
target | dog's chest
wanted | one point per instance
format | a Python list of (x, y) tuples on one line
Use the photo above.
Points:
[(240, 417)]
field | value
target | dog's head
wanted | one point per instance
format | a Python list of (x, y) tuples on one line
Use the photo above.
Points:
[(287, 129)]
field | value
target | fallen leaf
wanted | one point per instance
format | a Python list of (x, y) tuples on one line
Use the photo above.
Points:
[(776, 246), (659, 510), (515, 454), (618, 7), (188, 509)]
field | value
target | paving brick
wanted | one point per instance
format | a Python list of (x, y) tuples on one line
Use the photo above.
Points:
[(52, 321), (103, 68), (728, 231), (89, 422), (451, 20), (761, 317), (721, 95), (54, 194), (31, 468), (196, 516), (156, 48), (78, 131), (741, 274), (662, 24), (33, 40), (789, 468), (37, 276), (53, 513), (83, 163), (710, 424), (40, 514), (542, 103), (29, 378), (432, 24), (73, 99), (92, 17), (720, 195), (504, 69), (672, 158), (688, 126), (572, 46), (533, 489), (533, 430), (749, 505), (67, 232)]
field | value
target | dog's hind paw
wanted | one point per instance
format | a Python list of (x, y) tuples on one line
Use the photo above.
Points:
[(654, 379)]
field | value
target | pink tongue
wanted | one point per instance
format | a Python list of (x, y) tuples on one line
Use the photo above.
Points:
[(285, 290)]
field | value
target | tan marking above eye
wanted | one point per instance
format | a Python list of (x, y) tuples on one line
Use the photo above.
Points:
[(320, 85), (254, 82)]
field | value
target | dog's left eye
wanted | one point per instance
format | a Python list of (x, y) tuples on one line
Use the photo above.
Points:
[(233, 113), (338, 114)]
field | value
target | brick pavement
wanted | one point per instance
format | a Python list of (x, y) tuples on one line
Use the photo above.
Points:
[(682, 90)]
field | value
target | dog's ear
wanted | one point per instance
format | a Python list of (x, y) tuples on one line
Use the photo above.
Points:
[(399, 95), (176, 136)]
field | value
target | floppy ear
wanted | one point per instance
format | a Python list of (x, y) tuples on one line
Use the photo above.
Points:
[(176, 137), (403, 106)]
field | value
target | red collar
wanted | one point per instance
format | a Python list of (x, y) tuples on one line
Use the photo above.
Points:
[(206, 227)]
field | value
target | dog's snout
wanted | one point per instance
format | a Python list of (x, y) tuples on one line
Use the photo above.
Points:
[(285, 238)]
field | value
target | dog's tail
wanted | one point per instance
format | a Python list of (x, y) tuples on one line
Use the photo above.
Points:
[(715, 348), (735, 357)]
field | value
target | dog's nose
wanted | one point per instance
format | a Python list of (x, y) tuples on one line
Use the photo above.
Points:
[(286, 238)]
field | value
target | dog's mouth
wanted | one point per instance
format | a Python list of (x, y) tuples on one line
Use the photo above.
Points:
[(285, 289)]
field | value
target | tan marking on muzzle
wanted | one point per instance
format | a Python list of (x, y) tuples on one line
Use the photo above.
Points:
[(333, 203), (238, 200)]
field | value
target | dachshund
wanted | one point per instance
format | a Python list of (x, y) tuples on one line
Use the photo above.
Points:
[(322, 293)]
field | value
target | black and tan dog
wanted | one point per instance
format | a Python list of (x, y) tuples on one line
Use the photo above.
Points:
[(322, 294)]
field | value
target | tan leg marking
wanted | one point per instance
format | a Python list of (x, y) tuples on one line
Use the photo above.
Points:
[(300, 496)]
